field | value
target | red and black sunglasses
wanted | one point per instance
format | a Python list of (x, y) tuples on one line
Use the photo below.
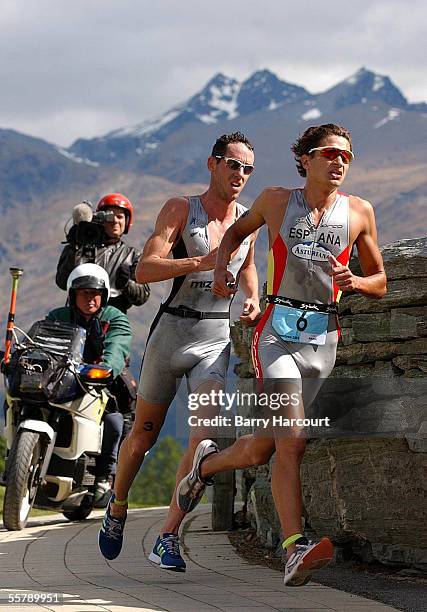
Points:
[(332, 153)]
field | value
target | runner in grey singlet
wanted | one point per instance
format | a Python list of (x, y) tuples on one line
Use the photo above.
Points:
[(298, 269), (178, 346)]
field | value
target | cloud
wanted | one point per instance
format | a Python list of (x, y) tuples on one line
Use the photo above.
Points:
[(79, 68)]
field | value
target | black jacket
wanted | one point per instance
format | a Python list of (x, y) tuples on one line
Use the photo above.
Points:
[(110, 257)]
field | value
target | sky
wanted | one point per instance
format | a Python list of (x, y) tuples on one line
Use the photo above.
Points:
[(81, 68)]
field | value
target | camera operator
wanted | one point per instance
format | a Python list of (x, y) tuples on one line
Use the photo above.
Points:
[(96, 238)]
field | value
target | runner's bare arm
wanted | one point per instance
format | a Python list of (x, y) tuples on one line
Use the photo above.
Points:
[(154, 263), (374, 282), (248, 281), (247, 224)]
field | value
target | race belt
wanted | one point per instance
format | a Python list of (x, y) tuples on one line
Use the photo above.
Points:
[(310, 306), (189, 313)]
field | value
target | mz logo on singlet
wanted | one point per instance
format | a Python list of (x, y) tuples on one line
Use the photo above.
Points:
[(202, 284)]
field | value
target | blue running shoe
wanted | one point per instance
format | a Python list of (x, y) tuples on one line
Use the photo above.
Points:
[(110, 537), (166, 553)]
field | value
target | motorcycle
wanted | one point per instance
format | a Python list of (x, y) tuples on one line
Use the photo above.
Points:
[(53, 421)]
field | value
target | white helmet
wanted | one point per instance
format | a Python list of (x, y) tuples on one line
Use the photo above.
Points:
[(88, 276)]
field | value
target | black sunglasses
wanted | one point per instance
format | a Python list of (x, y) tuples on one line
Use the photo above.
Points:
[(236, 164)]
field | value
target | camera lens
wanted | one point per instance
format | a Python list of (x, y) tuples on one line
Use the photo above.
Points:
[(89, 233), (104, 215)]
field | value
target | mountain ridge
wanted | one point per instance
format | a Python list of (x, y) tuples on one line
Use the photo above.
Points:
[(223, 99)]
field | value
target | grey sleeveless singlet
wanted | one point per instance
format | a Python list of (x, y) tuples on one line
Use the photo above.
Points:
[(196, 348), (298, 269)]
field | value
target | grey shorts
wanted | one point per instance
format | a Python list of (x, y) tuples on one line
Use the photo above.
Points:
[(303, 365), (177, 347)]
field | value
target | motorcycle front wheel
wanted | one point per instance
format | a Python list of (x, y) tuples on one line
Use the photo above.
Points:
[(23, 468)]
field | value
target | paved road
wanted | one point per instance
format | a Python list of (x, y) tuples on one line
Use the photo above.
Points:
[(53, 555)]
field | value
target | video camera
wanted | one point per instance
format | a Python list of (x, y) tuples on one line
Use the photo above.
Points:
[(87, 230)]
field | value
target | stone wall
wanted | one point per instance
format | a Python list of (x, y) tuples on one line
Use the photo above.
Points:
[(364, 484)]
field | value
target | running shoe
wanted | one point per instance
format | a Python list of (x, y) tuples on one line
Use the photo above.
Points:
[(110, 538), (166, 553), (306, 559), (191, 488)]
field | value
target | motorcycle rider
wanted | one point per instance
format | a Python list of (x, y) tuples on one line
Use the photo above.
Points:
[(108, 340)]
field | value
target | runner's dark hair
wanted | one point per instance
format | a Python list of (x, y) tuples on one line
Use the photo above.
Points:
[(221, 144), (312, 137)]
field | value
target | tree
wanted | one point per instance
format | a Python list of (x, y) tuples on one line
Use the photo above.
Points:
[(155, 482), (2, 453)]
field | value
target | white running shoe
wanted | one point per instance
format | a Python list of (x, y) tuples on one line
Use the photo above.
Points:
[(306, 559), (191, 488)]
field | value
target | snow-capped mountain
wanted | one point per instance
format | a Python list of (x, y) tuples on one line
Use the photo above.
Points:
[(226, 104), (216, 101), (265, 91), (222, 99), (362, 87)]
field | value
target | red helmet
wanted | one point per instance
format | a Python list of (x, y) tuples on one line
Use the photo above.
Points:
[(121, 201)]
